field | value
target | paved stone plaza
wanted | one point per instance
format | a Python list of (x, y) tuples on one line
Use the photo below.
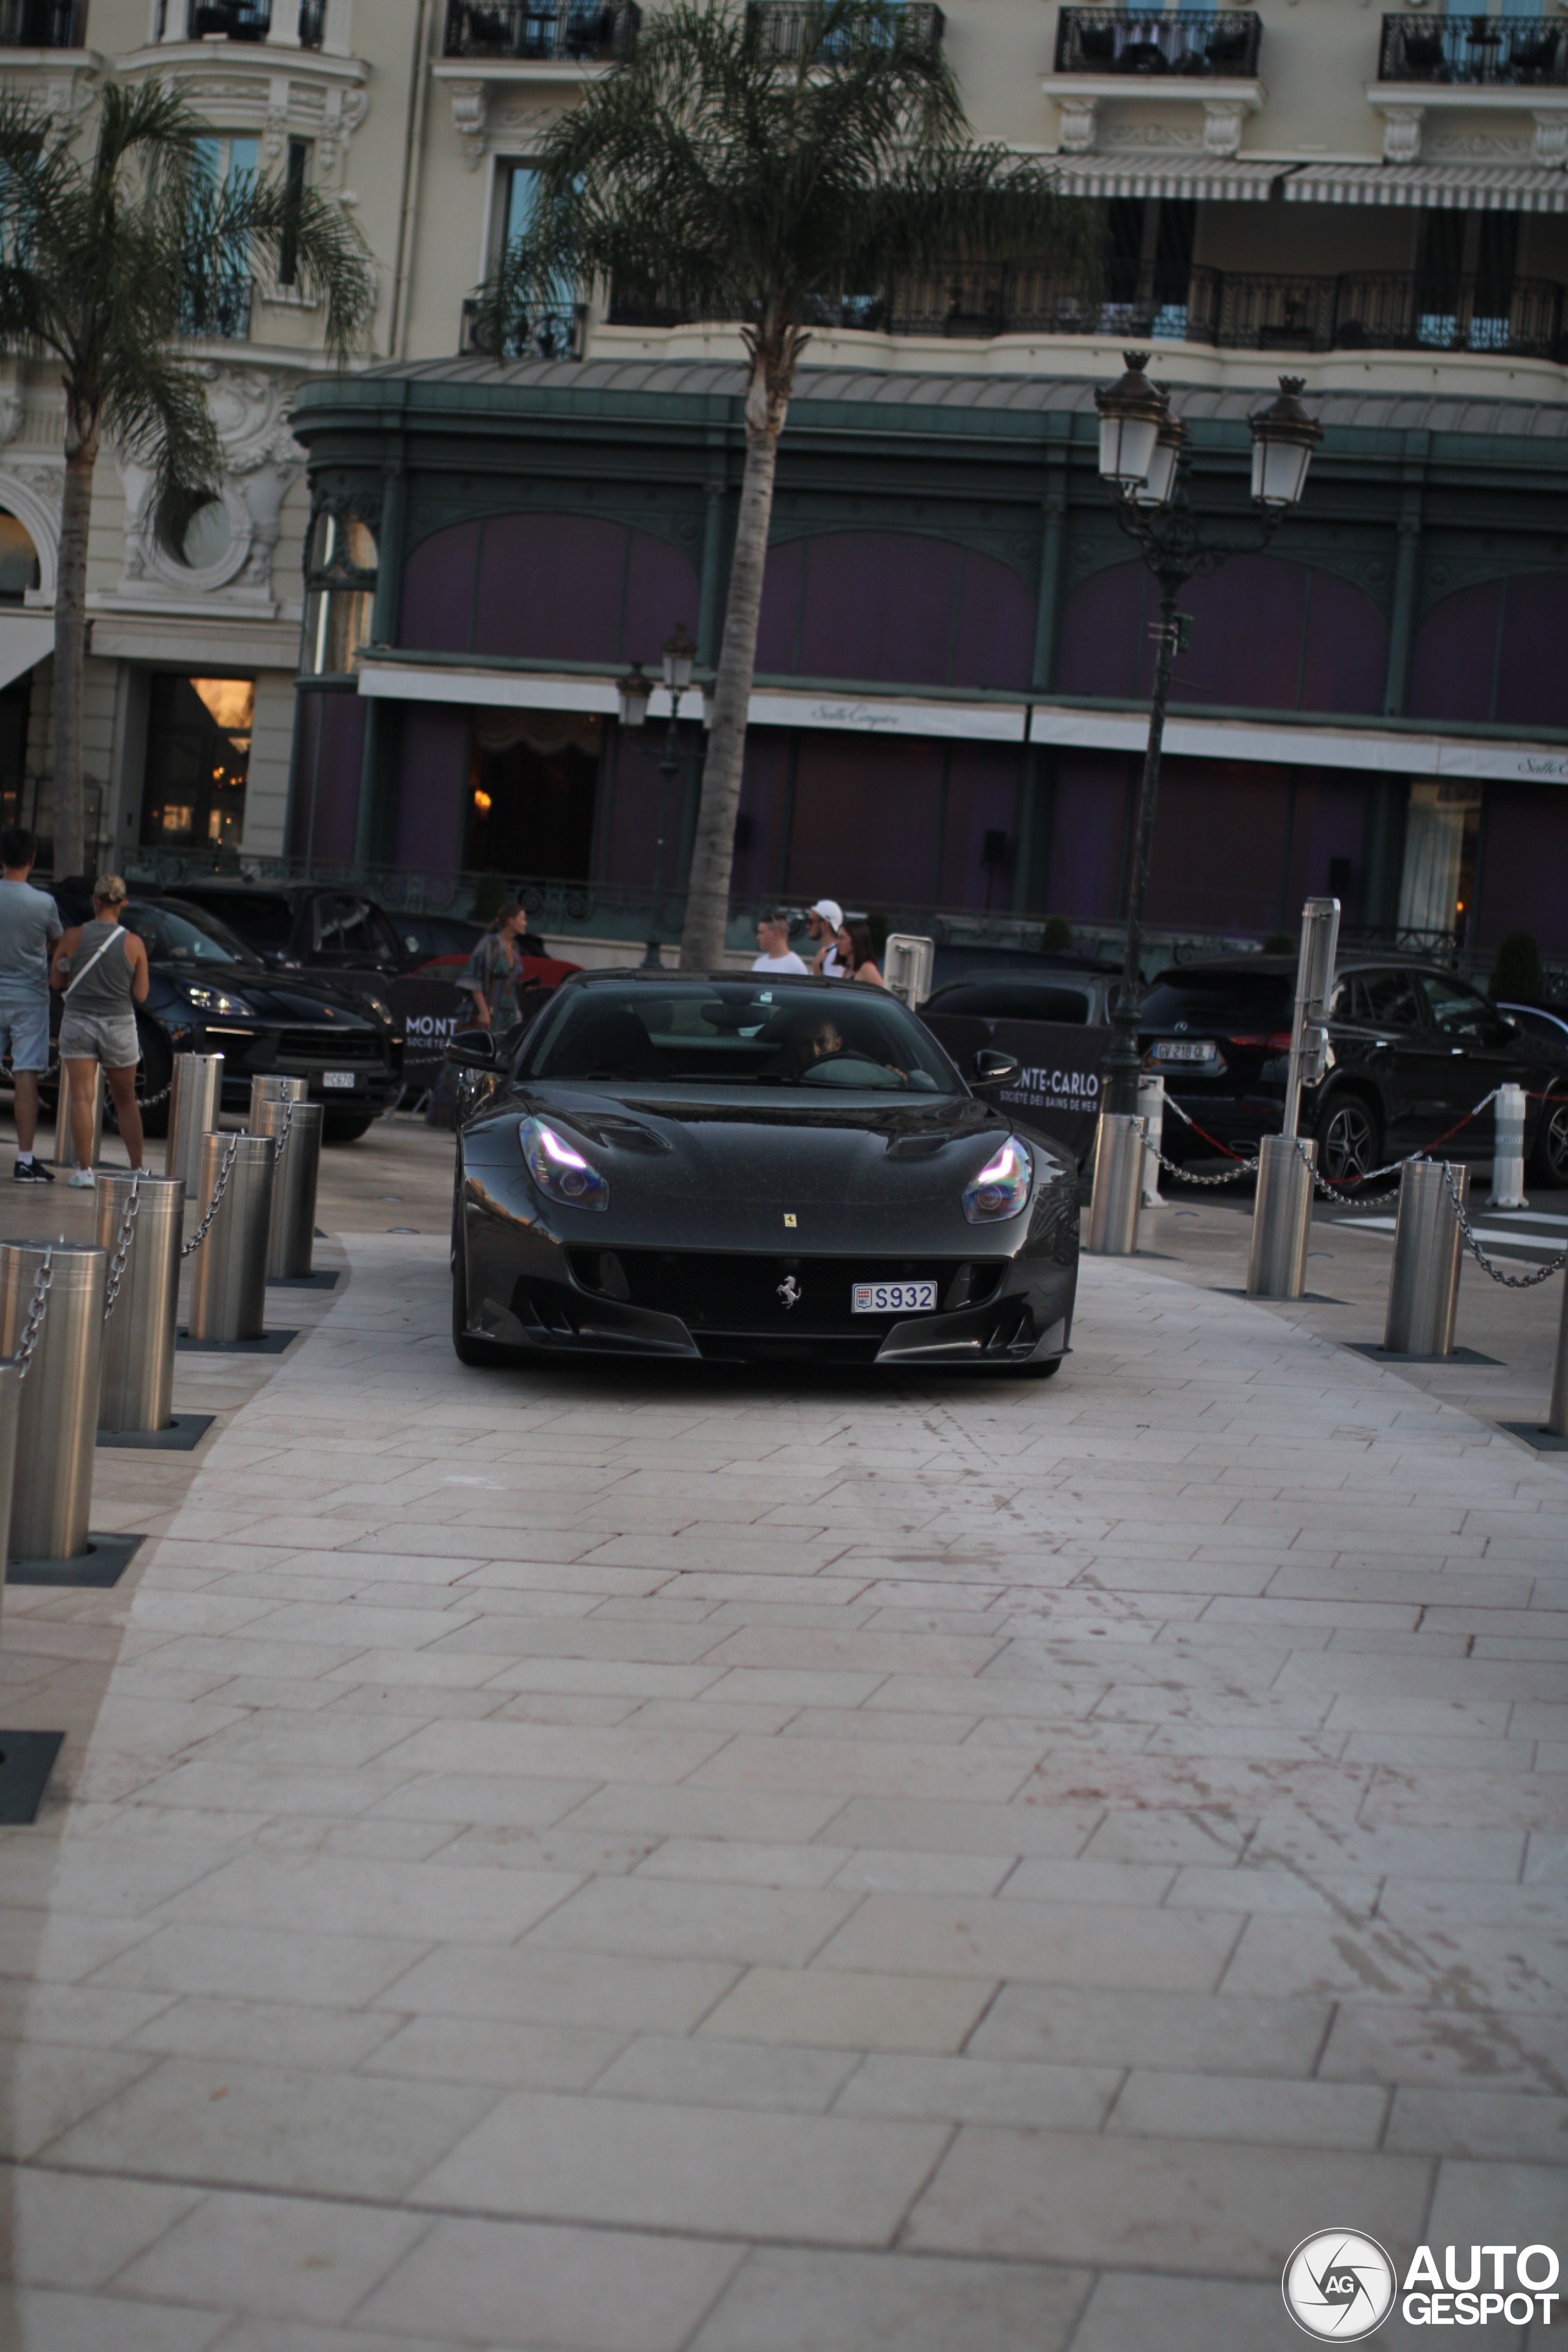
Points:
[(602, 1862)]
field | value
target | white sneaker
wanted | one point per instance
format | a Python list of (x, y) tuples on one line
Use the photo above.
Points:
[(80, 1181)]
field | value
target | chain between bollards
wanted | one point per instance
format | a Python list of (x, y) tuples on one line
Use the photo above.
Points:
[(122, 1242), (37, 1310), (1490, 1265), (189, 1248)]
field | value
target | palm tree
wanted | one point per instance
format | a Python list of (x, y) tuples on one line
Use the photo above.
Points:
[(110, 262), (763, 164)]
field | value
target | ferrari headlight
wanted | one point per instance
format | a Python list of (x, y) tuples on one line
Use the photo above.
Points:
[(559, 1168), (1002, 1188), (216, 999)]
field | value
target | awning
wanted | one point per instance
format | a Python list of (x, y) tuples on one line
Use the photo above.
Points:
[(1171, 175), (1392, 752), (25, 639), (1458, 188)]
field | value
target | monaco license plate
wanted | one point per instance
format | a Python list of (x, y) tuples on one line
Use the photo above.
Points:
[(344, 1079), (893, 1299), (1185, 1049)]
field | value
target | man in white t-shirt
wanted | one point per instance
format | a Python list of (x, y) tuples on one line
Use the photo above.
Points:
[(772, 936), (823, 923)]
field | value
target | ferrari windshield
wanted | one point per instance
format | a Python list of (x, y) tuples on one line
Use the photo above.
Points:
[(751, 1033)]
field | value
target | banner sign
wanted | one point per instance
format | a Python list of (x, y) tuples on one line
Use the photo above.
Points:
[(430, 1012), (1057, 1094)]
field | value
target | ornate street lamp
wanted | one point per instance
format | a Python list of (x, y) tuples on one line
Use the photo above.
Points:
[(635, 691), (1143, 461)]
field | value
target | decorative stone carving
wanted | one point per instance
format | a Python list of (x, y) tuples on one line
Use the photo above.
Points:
[(1223, 120), (1176, 139), (1551, 137), (1508, 143), (10, 412), (1078, 124), (261, 461), (1402, 133), (469, 106)]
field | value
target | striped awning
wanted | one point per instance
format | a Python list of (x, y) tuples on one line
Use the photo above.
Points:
[(1169, 175), (1458, 188)]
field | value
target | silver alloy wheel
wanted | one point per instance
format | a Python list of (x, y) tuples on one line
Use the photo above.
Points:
[(1552, 1148), (1347, 1143)]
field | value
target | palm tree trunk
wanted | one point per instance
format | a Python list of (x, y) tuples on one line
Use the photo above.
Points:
[(713, 848), (71, 650)]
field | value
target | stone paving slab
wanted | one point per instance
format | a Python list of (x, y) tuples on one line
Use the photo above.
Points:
[(704, 1861)]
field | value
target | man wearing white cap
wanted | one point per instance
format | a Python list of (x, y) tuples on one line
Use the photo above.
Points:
[(823, 923)]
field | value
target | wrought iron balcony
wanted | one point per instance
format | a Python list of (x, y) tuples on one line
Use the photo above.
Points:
[(1208, 48), (579, 31), (552, 334), (42, 24), (787, 24), (1503, 52)]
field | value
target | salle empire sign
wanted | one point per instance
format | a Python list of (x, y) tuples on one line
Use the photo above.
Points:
[(1475, 2286)]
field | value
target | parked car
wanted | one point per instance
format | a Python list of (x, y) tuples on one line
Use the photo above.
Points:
[(430, 939), (305, 927), (209, 995), (1412, 1049), (1081, 997)]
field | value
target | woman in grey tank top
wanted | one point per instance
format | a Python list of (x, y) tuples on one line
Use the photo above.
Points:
[(102, 969)]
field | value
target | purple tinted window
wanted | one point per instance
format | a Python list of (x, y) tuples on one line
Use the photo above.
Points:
[(1532, 674), (330, 739), (625, 854), (1527, 855), (759, 829), (781, 609), (1102, 634), (1246, 643), (1219, 845), (1454, 655), (979, 835), (661, 589), (865, 818), (996, 627), (1090, 804), (430, 802), (550, 587), (439, 591), (880, 604), (1346, 661)]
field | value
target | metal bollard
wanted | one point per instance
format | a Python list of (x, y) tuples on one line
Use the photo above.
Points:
[(11, 1387), (1281, 1218), (292, 1235), (1508, 1149), (193, 1107), (229, 1297), (1424, 1288), (1118, 1182), (1151, 1111), (56, 1424), (1557, 1415), (138, 1385), (270, 1088), (65, 1149)]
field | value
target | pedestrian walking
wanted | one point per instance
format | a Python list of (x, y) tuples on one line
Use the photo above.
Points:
[(855, 958), (102, 971), (494, 975), (29, 926), (777, 956), (822, 922)]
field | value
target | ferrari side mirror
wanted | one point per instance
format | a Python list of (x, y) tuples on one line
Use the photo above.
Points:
[(993, 1069), (472, 1049)]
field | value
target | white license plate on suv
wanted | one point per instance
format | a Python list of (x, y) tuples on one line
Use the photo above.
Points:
[(893, 1299), (344, 1079), (1184, 1049)]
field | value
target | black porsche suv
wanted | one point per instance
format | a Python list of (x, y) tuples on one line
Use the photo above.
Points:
[(1413, 1049), (209, 995)]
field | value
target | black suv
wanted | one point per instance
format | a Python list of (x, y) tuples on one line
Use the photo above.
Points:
[(1412, 1049)]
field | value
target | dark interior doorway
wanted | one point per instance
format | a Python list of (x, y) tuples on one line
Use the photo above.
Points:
[(198, 761), (15, 706), (532, 786)]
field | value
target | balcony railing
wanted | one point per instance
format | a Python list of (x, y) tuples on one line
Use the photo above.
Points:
[(573, 30), (1238, 310), (1186, 41), (217, 306), (42, 24), (552, 334), (786, 25), (1505, 52)]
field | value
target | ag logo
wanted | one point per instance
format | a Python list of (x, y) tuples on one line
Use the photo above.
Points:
[(1338, 2285)]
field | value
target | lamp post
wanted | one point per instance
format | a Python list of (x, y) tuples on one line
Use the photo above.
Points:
[(636, 690), (1143, 460)]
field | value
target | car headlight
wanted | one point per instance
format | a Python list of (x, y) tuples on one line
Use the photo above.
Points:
[(559, 1168), (1002, 1188), (216, 999), (380, 1007)]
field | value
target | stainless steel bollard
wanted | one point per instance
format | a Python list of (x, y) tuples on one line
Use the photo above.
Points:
[(1281, 1218), (1508, 1149), (1424, 1288), (10, 1385), (138, 1385), (1557, 1413), (229, 1297), (270, 1088), (1151, 1111), (57, 1425), (65, 1149), (292, 1235), (1118, 1185), (194, 1108)]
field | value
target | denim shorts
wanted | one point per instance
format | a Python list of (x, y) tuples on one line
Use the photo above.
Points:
[(25, 1031), (107, 1037)]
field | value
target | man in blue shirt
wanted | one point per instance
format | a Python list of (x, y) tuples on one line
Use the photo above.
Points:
[(29, 926)]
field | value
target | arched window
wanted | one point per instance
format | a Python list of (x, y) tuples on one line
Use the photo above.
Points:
[(18, 560)]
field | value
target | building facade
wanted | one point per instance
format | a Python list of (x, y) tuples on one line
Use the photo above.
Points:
[(393, 643)]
